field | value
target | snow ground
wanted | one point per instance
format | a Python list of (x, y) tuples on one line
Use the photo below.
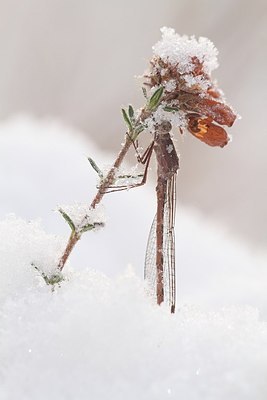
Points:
[(98, 336)]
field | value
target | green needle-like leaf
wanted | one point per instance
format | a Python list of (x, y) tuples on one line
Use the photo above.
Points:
[(67, 219), (144, 92), (52, 279), (95, 167), (170, 109), (130, 176), (139, 129), (155, 99), (126, 119), (131, 112), (89, 227)]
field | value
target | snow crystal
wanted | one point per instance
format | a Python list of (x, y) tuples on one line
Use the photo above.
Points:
[(83, 215), (170, 85), (197, 81), (179, 50), (176, 118), (169, 148)]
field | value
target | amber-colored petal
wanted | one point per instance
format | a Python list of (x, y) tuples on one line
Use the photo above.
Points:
[(219, 112), (207, 132)]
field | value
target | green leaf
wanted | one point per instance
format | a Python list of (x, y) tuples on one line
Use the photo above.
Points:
[(52, 279), (170, 109), (139, 129), (95, 167), (90, 227), (67, 219), (155, 99), (144, 92), (126, 119), (130, 176), (131, 112)]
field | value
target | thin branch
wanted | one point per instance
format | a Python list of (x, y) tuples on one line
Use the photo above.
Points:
[(106, 183)]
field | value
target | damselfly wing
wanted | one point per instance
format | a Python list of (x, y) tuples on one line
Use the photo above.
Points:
[(168, 250)]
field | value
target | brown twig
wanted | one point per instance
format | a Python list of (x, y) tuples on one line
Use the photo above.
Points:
[(107, 182), (73, 239)]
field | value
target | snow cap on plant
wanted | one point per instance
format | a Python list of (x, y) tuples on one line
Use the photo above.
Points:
[(181, 67)]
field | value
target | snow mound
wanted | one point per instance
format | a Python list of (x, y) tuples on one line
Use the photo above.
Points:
[(101, 338), (96, 337), (24, 246)]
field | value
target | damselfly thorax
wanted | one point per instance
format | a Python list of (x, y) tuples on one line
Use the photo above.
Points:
[(167, 159)]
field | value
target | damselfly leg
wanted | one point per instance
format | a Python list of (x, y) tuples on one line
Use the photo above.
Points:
[(145, 160)]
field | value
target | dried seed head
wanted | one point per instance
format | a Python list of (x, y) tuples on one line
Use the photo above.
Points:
[(182, 65)]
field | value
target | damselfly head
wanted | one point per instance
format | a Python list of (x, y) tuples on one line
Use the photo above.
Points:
[(205, 130), (164, 127)]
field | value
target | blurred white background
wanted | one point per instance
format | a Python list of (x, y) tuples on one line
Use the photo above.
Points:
[(76, 61)]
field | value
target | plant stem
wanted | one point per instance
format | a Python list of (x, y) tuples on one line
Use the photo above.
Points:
[(73, 239), (107, 182)]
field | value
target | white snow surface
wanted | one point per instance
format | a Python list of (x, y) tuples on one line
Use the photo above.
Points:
[(179, 50), (99, 336), (24, 245)]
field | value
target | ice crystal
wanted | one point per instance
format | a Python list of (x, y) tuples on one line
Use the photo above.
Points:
[(180, 50), (176, 118)]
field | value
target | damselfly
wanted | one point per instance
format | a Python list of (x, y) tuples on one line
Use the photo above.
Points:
[(160, 253)]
